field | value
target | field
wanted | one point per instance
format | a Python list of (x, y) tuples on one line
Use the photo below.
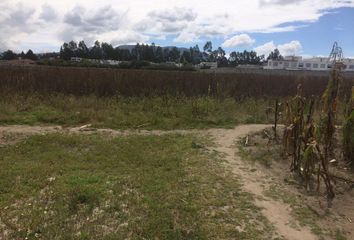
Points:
[(118, 154)]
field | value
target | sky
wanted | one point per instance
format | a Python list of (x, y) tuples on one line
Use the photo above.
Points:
[(295, 27)]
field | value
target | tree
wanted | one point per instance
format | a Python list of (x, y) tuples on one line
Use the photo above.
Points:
[(82, 50), (195, 54), (107, 51), (96, 51), (31, 55), (22, 55), (159, 55), (275, 55), (174, 55), (65, 52), (186, 57), (73, 47), (123, 54), (9, 55), (245, 57), (208, 54), (208, 47)]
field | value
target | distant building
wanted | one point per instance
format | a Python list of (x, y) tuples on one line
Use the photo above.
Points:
[(208, 65), (76, 59), (315, 64), (111, 62), (289, 62), (311, 64), (96, 61), (348, 65)]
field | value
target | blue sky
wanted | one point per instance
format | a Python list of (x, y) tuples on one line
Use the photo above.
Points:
[(296, 27), (316, 37)]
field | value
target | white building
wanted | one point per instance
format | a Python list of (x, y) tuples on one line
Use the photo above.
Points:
[(112, 62), (76, 59), (311, 64), (209, 65), (348, 64), (289, 62), (314, 64)]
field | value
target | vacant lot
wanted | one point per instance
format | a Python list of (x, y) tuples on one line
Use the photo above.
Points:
[(61, 186), (81, 160)]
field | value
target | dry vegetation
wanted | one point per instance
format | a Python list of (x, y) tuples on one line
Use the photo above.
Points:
[(319, 159), (110, 82)]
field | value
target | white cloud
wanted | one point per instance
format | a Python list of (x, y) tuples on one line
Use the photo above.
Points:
[(242, 40), (286, 49), (265, 49), (23, 21), (291, 48), (186, 37), (173, 15), (279, 2), (127, 37)]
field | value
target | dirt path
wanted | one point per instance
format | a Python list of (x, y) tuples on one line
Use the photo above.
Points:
[(277, 212), (254, 182)]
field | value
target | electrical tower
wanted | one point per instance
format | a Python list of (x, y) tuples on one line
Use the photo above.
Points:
[(336, 55)]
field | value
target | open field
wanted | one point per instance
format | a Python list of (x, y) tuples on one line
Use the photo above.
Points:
[(138, 187), (113, 154), (83, 183)]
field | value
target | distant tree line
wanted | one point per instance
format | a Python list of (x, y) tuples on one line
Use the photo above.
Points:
[(157, 54), (150, 53), (10, 55)]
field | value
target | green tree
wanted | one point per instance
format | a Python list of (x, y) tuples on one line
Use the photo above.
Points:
[(8, 55), (174, 55), (186, 57), (159, 55), (107, 51), (275, 55), (208, 47), (83, 50), (65, 52), (31, 55), (96, 51)]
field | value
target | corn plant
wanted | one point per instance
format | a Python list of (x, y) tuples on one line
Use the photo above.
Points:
[(300, 139), (348, 133), (292, 137), (329, 100)]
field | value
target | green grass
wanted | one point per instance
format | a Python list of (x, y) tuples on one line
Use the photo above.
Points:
[(139, 187), (160, 112)]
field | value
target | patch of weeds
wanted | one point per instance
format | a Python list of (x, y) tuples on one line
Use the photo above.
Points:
[(83, 196), (339, 235)]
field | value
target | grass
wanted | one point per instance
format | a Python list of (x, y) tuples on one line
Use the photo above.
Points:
[(139, 187), (160, 112)]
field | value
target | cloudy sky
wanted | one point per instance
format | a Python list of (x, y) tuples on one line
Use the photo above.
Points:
[(305, 27)]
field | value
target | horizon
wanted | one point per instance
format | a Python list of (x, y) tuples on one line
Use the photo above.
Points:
[(295, 27)]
